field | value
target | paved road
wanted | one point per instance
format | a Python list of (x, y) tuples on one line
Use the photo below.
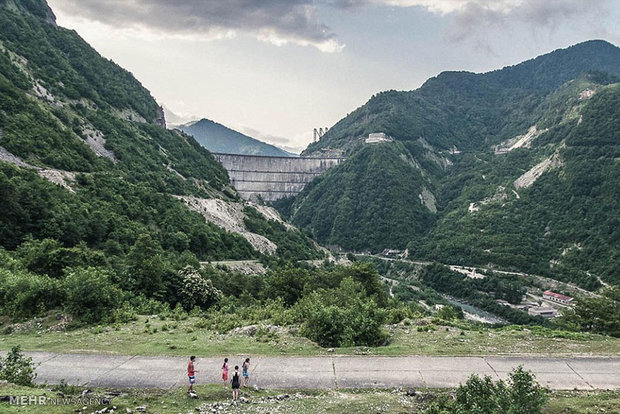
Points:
[(325, 372)]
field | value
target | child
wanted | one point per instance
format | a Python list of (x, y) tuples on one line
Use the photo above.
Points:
[(191, 373), (225, 372), (235, 383), (246, 374)]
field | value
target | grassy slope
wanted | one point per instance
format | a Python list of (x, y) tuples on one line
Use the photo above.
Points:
[(147, 336)]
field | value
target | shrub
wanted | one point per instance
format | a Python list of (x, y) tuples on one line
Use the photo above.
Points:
[(178, 314), (196, 290), (328, 327), (65, 388), (449, 313), (17, 369), (519, 395), (144, 306), (91, 296), (356, 323), (25, 295), (124, 314)]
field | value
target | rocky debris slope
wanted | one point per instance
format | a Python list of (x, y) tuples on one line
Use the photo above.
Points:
[(60, 177), (229, 216)]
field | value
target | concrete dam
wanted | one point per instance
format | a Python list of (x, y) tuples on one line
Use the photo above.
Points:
[(272, 178)]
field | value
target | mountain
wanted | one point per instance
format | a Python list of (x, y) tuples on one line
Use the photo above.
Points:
[(359, 204), (470, 110), (218, 138), (93, 187), (521, 162)]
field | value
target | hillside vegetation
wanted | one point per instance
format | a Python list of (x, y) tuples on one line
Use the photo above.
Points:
[(522, 163), (90, 182), (359, 203)]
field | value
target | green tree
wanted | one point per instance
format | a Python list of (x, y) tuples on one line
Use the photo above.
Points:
[(90, 294), (23, 294), (597, 314), (196, 290), (146, 266)]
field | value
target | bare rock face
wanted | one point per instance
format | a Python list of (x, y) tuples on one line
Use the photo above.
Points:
[(59, 177), (229, 216), (160, 118), (96, 142), (530, 177), (11, 158), (520, 141), (428, 199)]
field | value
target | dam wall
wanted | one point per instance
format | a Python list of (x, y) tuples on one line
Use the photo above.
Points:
[(272, 178)]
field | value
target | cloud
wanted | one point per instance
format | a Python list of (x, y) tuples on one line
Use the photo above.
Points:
[(282, 22), (277, 21), (472, 17), (479, 16)]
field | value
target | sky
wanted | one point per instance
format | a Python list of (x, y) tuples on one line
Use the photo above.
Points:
[(277, 69)]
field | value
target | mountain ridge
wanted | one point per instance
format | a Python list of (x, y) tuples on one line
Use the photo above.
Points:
[(408, 115), (219, 138)]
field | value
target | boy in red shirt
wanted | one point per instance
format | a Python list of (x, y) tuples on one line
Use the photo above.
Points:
[(191, 371)]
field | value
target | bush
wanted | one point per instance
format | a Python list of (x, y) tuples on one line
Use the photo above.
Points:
[(17, 369), (449, 313), (124, 314), (334, 318), (144, 306), (91, 296), (328, 326), (25, 295), (521, 394), (196, 290)]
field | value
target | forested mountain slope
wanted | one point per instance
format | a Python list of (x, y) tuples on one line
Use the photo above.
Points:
[(522, 163), (89, 176), (471, 110)]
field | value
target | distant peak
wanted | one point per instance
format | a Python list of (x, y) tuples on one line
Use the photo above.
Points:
[(595, 42)]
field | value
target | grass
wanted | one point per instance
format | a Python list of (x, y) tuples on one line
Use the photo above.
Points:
[(349, 401), (154, 336), (572, 402)]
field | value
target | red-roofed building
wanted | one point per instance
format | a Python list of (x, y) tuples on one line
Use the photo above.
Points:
[(556, 297)]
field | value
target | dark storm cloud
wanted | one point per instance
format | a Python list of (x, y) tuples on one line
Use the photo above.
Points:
[(279, 21)]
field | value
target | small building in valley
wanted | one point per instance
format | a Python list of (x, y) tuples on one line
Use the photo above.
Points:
[(558, 298), (543, 311)]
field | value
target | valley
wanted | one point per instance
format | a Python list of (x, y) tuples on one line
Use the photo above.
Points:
[(469, 225)]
